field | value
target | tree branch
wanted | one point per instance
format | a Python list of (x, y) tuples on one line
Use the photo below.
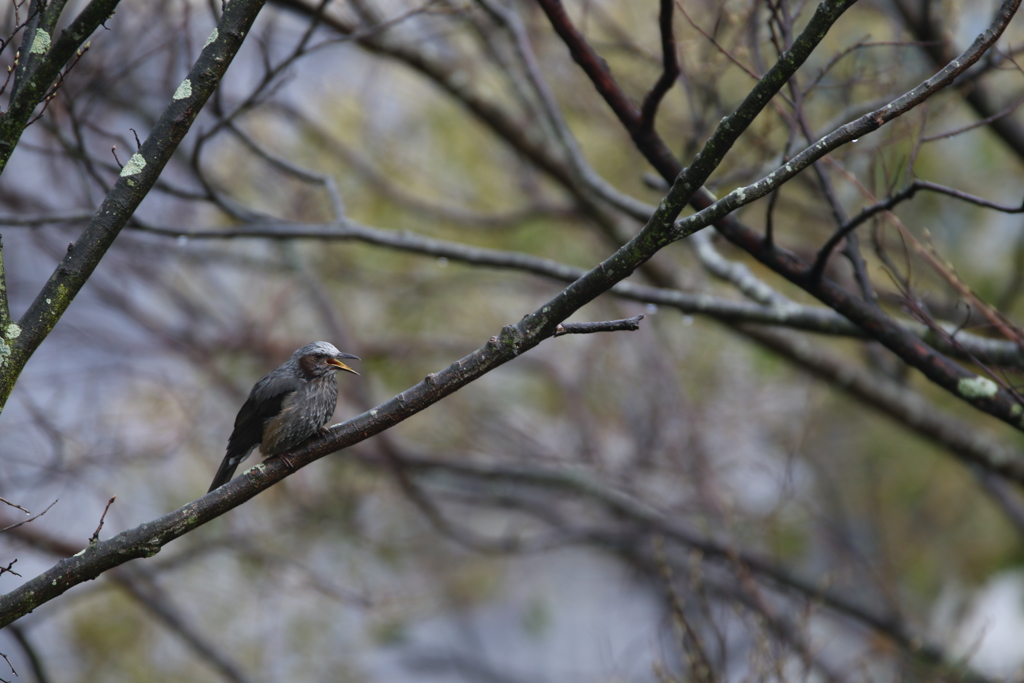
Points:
[(772, 309), (980, 392), (38, 74), (670, 67), (631, 324), (136, 179), (5, 309)]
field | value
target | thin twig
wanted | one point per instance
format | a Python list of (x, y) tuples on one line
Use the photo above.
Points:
[(35, 662), (888, 204), (14, 505), (30, 519), (96, 534), (8, 664), (604, 326)]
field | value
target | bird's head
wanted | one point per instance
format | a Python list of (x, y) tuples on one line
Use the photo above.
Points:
[(321, 358)]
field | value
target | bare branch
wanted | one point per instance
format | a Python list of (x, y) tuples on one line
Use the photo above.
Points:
[(630, 324), (14, 505), (96, 534), (30, 519), (670, 68)]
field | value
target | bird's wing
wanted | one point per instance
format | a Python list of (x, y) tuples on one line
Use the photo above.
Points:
[(264, 402)]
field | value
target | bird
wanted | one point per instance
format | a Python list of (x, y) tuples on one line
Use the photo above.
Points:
[(286, 406)]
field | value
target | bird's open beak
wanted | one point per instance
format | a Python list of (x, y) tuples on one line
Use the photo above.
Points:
[(341, 366)]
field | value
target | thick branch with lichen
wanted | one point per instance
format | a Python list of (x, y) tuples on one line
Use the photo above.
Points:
[(42, 67), (136, 179)]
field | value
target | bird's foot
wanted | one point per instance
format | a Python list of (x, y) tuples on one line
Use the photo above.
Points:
[(288, 462)]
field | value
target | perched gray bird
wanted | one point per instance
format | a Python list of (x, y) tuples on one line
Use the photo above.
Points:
[(286, 407)]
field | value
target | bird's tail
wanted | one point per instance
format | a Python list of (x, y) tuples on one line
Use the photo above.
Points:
[(226, 470)]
